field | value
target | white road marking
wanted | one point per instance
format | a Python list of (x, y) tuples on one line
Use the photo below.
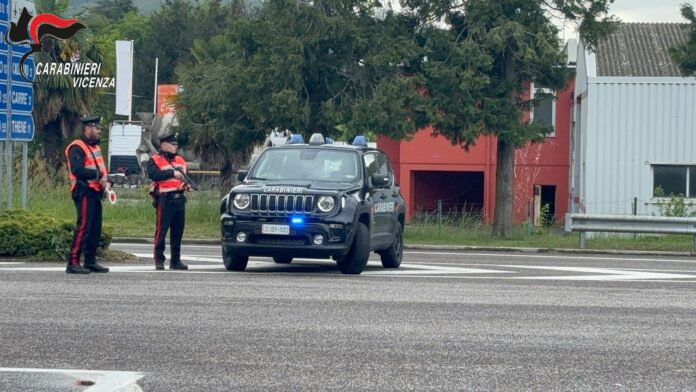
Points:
[(213, 265), (186, 258), (499, 255), (603, 274), (11, 262), (554, 256), (104, 380)]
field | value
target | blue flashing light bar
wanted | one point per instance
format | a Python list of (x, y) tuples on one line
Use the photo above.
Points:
[(360, 141), (297, 221), (296, 138)]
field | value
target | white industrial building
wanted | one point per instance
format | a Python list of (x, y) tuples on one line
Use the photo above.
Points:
[(634, 122)]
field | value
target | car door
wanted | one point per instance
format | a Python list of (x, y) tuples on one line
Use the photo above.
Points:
[(375, 163), (388, 199)]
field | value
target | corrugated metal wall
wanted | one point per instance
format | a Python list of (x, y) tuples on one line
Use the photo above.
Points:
[(632, 123)]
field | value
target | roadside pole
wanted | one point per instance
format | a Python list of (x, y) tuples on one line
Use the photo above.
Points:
[(25, 172)]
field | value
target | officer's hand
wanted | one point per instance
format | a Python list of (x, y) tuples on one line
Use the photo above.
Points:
[(103, 182), (178, 175), (188, 188)]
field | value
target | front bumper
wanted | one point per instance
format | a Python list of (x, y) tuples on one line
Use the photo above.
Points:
[(298, 243)]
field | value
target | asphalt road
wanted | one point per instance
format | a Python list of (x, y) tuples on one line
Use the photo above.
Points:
[(444, 321)]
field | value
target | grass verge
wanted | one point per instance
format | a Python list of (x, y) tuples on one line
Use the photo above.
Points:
[(134, 216), (549, 238)]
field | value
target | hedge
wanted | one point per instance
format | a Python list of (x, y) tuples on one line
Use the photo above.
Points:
[(28, 233)]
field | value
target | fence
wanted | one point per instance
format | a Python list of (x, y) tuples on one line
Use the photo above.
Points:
[(584, 223)]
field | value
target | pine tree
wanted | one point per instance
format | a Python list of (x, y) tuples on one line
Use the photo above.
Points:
[(481, 55)]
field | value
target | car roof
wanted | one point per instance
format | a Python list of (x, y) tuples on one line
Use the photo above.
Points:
[(341, 147)]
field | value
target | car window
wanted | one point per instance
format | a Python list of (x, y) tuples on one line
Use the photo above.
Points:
[(382, 165), (307, 164), (376, 163), (370, 164)]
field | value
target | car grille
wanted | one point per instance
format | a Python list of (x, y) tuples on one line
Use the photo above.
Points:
[(278, 240), (282, 203)]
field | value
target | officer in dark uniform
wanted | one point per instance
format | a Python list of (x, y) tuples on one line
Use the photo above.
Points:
[(88, 180), (165, 170)]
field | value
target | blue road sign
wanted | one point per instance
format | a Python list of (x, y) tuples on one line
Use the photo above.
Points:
[(22, 127), (28, 68), (3, 96), (4, 67), (5, 10), (20, 49), (22, 98), (3, 32), (3, 126)]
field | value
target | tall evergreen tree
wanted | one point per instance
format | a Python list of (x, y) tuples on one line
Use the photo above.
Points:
[(480, 56)]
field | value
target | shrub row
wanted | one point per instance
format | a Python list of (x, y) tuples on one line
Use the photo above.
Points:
[(28, 233)]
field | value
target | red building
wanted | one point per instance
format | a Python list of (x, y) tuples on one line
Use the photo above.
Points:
[(430, 169)]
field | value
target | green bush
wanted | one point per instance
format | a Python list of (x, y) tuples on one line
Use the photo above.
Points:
[(27, 233)]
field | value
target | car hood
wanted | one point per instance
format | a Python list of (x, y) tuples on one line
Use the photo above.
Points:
[(299, 185)]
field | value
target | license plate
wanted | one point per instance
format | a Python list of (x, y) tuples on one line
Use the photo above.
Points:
[(275, 229)]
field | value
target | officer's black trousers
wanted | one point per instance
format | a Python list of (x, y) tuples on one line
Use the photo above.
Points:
[(87, 229), (171, 214)]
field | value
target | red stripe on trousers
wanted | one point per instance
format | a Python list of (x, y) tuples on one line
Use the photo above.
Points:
[(75, 251), (157, 230)]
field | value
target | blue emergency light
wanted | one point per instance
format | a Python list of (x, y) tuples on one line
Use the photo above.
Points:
[(296, 138), (360, 141), (297, 221)]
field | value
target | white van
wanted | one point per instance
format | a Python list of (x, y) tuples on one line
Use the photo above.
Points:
[(124, 138)]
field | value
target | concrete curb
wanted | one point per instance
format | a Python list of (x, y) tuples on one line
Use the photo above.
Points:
[(464, 248)]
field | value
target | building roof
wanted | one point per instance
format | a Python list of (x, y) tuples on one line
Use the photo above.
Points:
[(640, 49)]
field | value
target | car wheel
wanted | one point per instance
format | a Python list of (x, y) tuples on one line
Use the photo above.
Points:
[(356, 260), (391, 257), (282, 259), (233, 262)]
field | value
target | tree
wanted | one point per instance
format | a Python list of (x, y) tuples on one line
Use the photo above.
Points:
[(685, 54), (113, 10), (319, 66), (57, 103), (169, 36), (479, 64)]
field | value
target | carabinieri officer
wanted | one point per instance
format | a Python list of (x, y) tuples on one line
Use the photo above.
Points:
[(165, 170)]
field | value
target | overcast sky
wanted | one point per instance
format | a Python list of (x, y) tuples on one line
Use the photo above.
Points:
[(649, 10)]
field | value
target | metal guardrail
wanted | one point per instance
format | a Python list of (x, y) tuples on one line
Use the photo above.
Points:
[(584, 223)]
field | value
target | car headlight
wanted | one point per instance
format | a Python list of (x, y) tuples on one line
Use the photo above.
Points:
[(326, 203), (241, 201)]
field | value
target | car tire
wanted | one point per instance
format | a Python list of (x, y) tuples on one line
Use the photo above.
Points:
[(391, 257), (356, 259), (233, 262), (282, 259)]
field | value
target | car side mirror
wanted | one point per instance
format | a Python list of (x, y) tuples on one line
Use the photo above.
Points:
[(380, 180), (241, 175)]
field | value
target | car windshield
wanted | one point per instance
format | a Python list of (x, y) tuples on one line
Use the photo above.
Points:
[(311, 164)]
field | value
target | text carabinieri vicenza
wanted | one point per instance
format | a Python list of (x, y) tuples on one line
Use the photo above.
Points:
[(85, 75)]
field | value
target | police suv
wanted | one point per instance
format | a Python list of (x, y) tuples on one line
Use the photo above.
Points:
[(315, 200)]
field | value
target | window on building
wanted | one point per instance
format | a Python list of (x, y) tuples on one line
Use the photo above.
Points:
[(677, 180), (546, 110)]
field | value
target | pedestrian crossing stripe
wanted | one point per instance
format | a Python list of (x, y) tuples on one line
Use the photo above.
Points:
[(213, 265)]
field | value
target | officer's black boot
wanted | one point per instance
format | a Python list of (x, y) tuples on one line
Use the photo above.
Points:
[(94, 267), (76, 269), (159, 265), (177, 265)]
